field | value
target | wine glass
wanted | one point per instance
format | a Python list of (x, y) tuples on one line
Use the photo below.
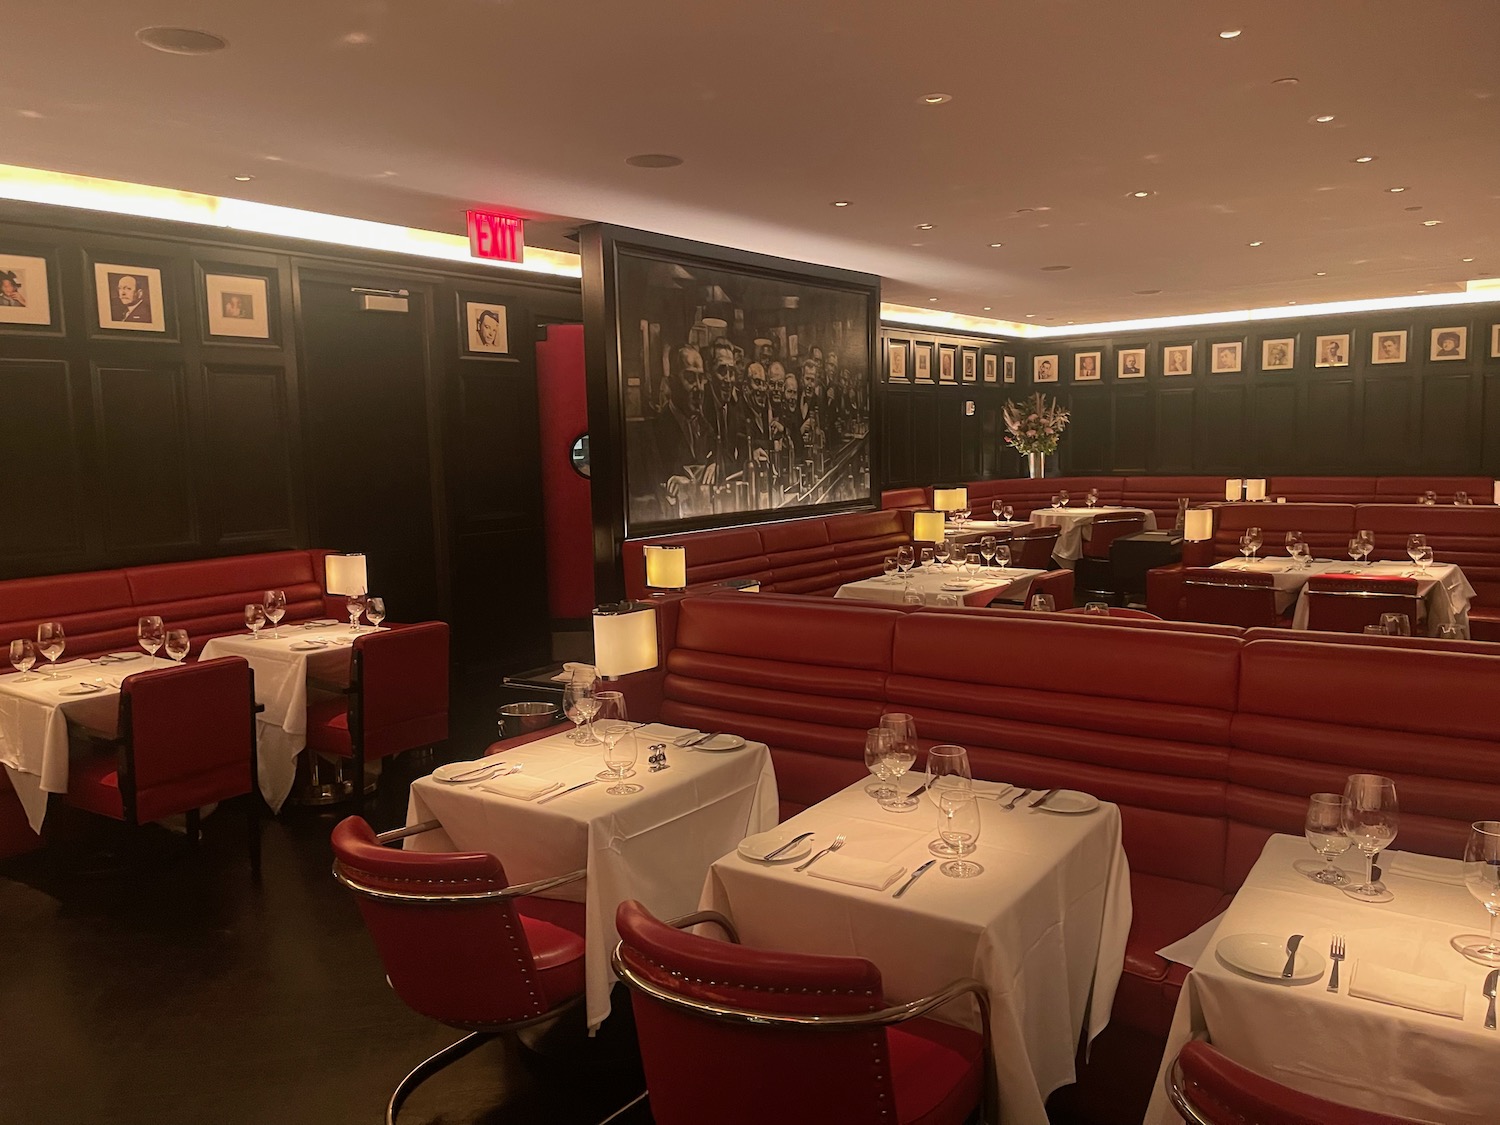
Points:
[(877, 746), (926, 557), (1396, 624), (50, 642), (374, 611), (1256, 539), (22, 658), (904, 559), (177, 644), (1043, 603), (1414, 544), (1429, 497), (1324, 829), (1461, 498), (1062, 497), (998, 508), (1245, 547), (901, 756), (150, 632), (275, 603), (971, 564), (255, 619), (1002, 555), (1092, 499), (1302, 553), (964, 515), (354, 607), (580, 705), (889, 566), (1424, 560), (619, 755), (1356, 548), (1294, 542), (1100, 608), (958, 827), (947, 769), (987, 549), (611, 709), (1367, 541), (1371, 816), (1008, 512), (941, 551), (1056, 500), (1482, 877)]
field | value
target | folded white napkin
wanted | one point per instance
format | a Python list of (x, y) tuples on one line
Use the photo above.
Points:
[(1433, 868), (1407, 990), (519, 786), (869, 873), (569, 670)]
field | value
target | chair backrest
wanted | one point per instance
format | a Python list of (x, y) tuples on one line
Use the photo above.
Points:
[(700, 1069), (189, 737), (1106, 529), (401, 678), (1113, 611), (1230, 597), (464, 963), (1347, 605), (1033, 551), (1209, 1089)]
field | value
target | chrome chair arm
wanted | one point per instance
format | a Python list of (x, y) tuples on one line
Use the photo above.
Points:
[(520, 890), (410, 830)]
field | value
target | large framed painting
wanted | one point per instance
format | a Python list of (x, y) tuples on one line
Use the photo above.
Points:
[(725, 387)]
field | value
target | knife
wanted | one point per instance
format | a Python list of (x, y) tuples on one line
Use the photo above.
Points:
[(1291, 956), (1044, 798), (920, 789), (1489, 990), (792, 843), (571, 789), (701, 741), (919, 872)]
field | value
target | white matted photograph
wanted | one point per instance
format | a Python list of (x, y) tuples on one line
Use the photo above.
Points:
[(1086, 367), (485, 324), (1010, 369), (969, 365), (1449, 343), (896, 362), (1228, 358), (23, 290), (991, 368), (1131, 363), (1177, 360), (1044, 369), (237, 306), (130, 298), (947, 363), (1495, 341), (1331, 351), (1278, 355), (921, 362), (1388, 347)]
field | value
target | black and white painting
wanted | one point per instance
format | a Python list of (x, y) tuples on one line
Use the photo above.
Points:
[(129, 298), (24, 298)]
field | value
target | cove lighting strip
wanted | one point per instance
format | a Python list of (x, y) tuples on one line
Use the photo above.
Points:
[(118, 198)]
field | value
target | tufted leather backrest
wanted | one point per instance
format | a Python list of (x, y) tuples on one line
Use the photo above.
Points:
[(1326, 527), (94, 609), (1026, 494), (1160, 494), (1322, 490), (1467, 536), (1107, 528), (1410, 490)]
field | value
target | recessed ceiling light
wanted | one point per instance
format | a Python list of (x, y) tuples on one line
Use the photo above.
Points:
[(1431, 222), (1284, 82), (1140, 194), (31, 113), (987, 307), (181, 40), (1291, 302), (1055, 269), (1322, 273), (1232, 33), (356, 39), (1031, 314), (841, 202), (1466, 259), (1363, 159), (996, 245), (1321, 119), (244, 179), (924, 226), (1396, 189), (653, 160), (1257, 242), (932, 298), (935, 99)]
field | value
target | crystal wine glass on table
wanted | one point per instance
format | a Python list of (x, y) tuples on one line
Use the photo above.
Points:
[(177, 644), (611, 708), (948, 769), (904, 558), (1356, 548), (1324, 829), (998, 507), (275, 603), (1371, 817), (1008, 512), (1043, 603), (877, 747), (901, 756), (1092, 499), (941, 551), (580, 705), (151, 633), (50, 642), (1062, 497), (22, 658), (1367, 545), (374, 611), (355, 606), (889, 566), (1294, 543), (971, 564), (1482, 877), (926, 557), (255, 619), (958, 827), (1414, 544), (1002, 555), (987, 549), (619, 754)]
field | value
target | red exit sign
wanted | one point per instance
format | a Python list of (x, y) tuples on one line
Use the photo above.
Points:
[(493, 235)]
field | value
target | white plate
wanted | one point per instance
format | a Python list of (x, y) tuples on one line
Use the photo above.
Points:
[(1067, 801), (754, 847), (320, 623), (1264, 955), (458, 769), (307, 646), (81, 689), (721, 742), (956, 586), (123, 656)]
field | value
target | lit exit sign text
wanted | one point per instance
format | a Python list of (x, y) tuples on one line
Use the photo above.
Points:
[(493, 235)]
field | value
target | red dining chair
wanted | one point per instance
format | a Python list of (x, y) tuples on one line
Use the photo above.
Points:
[(1231, 597), (739, 1036), (186, 739), (1346, 605), (1106, 529), (397, 699), (1206, 1088), (459, 944), (1113, 611), (1033, 550)]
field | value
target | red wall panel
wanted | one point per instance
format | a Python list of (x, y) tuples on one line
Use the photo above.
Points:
[(563, 417)]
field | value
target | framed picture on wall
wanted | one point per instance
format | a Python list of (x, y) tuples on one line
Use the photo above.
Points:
[(947, 359), (1331, 351), (486, 328), (970, 361), (25, 296), (129, 298), (1177, 359), (1279, 354), (237, 306), (1388, 347), (896, 354), (1010, 369), (1495, 341), (1086, 367), (1044, 369), (1449, 343), (1130, 363), (921, 362), (991, 368), (1227, 358)]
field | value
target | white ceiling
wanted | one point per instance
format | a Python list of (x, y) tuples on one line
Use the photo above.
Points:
[(408, 112)]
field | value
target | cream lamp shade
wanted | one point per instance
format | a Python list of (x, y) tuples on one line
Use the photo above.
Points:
[(928, 526), (666, 567), (1255, 490), (950, 499), (1198, 525), (345, 574), (1234, 489), (624, 639), (1497, 492)]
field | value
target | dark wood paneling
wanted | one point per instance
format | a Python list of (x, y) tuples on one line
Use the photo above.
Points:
[(1273, 427), (924, 438), (1450, 422), (950, 459), (496, 449), (1490, 461), (1132, 429), (1172, 447), (1391, 431), (1220, 428), (1329, 425), (146, 458), (250, 472), (898, 443), (40, 511), (1086, 452)]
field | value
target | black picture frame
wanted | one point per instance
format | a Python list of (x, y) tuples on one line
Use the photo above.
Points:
[(270, 276), (28, 257), (469, 305), (160, 271)]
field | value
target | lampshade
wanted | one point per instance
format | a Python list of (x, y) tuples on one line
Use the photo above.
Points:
[(1497, 492), (1198, 525), (927, 526), (666, 567), (1234, 489), (1255, 490), (624, 639), (950, 499), (345, 574)]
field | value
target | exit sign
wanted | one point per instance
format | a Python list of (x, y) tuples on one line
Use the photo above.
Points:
[(493, 235)]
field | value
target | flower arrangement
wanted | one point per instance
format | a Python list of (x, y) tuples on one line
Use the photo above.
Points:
[(1035, 424)]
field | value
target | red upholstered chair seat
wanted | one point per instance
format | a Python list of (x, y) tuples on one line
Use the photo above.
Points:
[(328, 727)]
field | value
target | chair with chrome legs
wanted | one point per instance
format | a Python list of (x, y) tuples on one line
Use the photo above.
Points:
[(738, 1036), (456, 941)]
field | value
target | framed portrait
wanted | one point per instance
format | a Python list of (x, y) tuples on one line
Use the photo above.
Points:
[(921, 362), (130, 298), (1086, 367), (947, 363), (896, 355), (237, 307), (1388, 347), (1044, 369), (1130, 363), (25, 293), (1331, 351), (1010, 369), (991, 368), (969, 360), (1495, 341), (1449, 343), (1279, 354), (1226, 358), (486, 328), (1177, 359)]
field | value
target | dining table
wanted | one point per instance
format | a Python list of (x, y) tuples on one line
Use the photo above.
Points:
[(932, 582), (36, 710), (655, 845), (1405, 1031), (1074, 526), (1043, 927)]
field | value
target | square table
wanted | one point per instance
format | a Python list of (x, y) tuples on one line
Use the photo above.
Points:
[(1340, 1047), (1074, 524), (1043, 927), (1444, 591), (654, 846), (1009, 583), (1287, 577), (34, 718)]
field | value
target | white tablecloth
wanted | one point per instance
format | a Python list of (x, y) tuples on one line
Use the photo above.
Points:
[(1010, 583), (1288, 577), (1340, 1047), (34, 723), (1074, 526), (1444, 590), (1043, 927), (654, 846), (281, 673)]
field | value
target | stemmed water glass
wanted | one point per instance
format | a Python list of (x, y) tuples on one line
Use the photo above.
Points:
[(901, 756), (1370, 819), (1418, 551), (580, 705), (1092, 499), (941, 551), (971, 564), (926, 557), (275, 603), (1367, 545), (50, 642), (374, 611), (610, 708), (904, 558), (877, 748), (255, 619), (1356, 548), (1062, 497), (889, 567), (619, 755), (987, 549), (1482, 877), (150, 632), (998, 507), (958, 827), (1002, 555), (1008, 512), (947, 770), (355, 606), (1294, 545), (1324, 829), (177, 644), (22, 658), (1250, 540)]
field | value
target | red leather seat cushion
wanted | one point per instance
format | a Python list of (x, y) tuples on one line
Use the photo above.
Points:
[(558, 956), (328, 727), (937, 1070), (94, 784)]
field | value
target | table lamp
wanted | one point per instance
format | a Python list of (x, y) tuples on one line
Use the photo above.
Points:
[(1497, 492), (1234, 489), (345, 574), (624, 639), (928, 527), (1255, 490), (950, 499), (666, 568), (1198, 525)]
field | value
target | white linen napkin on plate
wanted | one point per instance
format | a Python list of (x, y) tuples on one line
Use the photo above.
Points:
[(1407, 990), (521, 787), (871, 874), (1433, 868)]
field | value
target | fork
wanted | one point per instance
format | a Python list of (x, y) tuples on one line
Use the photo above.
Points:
[(838, 842), (1335, 954), (1011, 804)]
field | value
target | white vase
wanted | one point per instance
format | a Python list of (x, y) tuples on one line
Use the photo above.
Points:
[(1036, 465)]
